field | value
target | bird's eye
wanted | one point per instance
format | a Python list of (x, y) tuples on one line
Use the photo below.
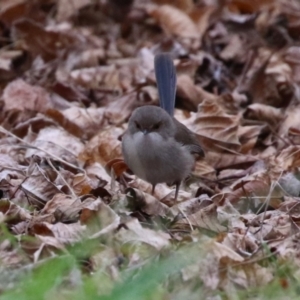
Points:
[(138, 126), (156, 126)]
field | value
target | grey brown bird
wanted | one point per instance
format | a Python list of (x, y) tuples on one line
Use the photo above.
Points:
[(157, 147)]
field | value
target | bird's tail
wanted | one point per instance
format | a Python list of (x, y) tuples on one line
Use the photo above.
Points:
[(165, 73)]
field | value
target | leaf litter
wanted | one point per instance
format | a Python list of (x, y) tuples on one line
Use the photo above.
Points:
[(72, 72)]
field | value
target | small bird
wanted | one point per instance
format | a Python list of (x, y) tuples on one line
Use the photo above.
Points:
[(157, 147)]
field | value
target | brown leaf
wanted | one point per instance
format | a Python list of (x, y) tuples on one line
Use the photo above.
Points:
[(7, 57), (235, 49), (13, 10), (133, 231), (97, 173), (63, 208), (116, 166), (162, 192), (103, 147), (57, 142), (206, 217), (82, 185), (10, 167), (68, 125), (69, 92), (12, 213), (34, 124), (40, 247), (290, 123), (203, 17), (66, 9), (265, 113), (191, 206), (248, 136), (146, 203), (89, 120), (286, 160), (38, 187), (203, 169), (174, 21), (192, 93), (106, 78), (20, 95), (99, 218), (254, 191), (66, 233), (119, 110), (184, 5), (53, 42), (216, 129), (263, 83)]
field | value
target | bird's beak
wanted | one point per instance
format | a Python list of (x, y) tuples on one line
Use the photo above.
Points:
[(145, 131)]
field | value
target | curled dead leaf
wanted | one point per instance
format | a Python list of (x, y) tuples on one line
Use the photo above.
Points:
[(103, 147), (265, 113), (116, 167), (53, 42), (68, 125), (12, 213), (206, 217), (146, 203), (39, 186), (133, 231), (254, 192), (99, 218), (20, 95), (174, 21), (66, 8), (58, 143), (191, 93)]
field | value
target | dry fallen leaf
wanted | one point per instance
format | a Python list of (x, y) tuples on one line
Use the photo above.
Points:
[(174, 21), (103, 147), (58, 143), (66, 8), (133, 231), (99, 219), (71, 74), (20, 95)]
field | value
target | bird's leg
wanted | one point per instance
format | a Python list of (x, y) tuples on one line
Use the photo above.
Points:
[(153, 188), (176, 190)]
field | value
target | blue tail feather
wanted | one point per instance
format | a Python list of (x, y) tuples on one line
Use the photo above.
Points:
[(165, 73)]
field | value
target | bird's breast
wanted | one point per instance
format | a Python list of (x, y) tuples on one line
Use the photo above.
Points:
[(155, 159)]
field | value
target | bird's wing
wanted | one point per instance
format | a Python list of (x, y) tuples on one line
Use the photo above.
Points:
[(187, 138)]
